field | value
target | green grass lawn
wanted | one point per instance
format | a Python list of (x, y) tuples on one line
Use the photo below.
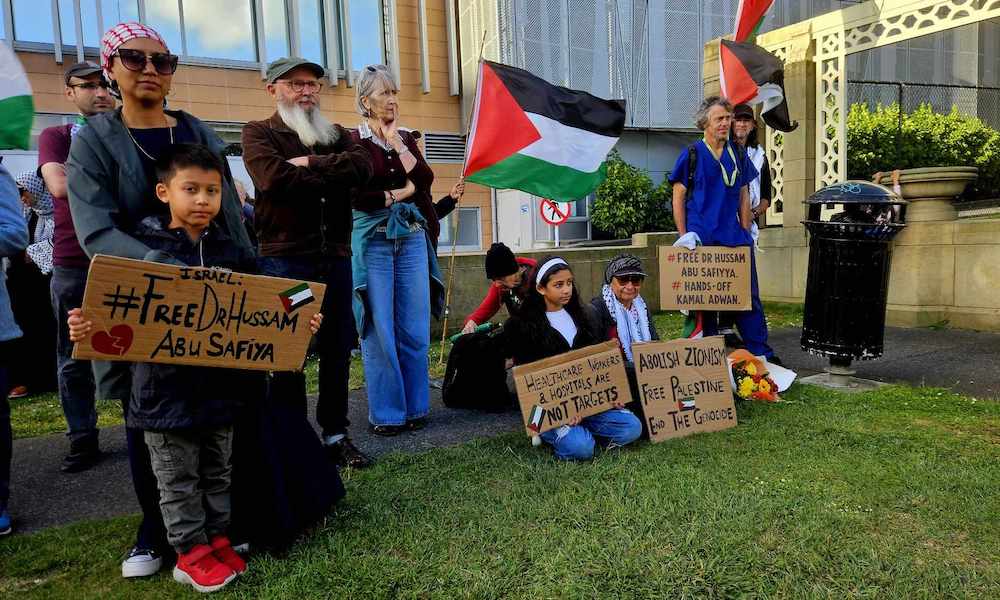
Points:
[(42, 415), (888, 494)]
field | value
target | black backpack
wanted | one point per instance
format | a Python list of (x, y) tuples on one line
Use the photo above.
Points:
[(475, 377)]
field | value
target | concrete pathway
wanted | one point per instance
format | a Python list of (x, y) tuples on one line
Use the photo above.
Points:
[(42, 496)]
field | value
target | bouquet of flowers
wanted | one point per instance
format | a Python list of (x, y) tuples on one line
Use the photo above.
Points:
[(750, 378)]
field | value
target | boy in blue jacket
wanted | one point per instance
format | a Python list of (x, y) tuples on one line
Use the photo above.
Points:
[(187, 412)]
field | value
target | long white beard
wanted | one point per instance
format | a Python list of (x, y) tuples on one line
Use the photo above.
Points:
[(311, 126)]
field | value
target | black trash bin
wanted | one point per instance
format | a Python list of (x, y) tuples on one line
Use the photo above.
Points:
[(850, 254)]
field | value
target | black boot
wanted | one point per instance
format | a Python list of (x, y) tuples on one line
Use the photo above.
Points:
[(83, 454)]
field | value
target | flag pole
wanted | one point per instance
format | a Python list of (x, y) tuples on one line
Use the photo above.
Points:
[(458, 215)]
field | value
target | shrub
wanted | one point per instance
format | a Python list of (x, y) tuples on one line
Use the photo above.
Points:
[(927, 139), (628, 203)]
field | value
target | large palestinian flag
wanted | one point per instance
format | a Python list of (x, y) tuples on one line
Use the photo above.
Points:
[(749, 17), (17, 110), (751, 75), (530, 135)]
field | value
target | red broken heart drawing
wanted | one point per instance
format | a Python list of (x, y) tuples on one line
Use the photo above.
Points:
[(115, 342)]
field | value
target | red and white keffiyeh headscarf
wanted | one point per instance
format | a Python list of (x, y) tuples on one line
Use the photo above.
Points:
[(121, 33)]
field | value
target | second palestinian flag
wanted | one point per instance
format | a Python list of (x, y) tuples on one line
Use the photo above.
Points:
[(749, 74), (530, 135)]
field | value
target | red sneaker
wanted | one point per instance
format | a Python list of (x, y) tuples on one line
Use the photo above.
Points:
[(224, 552), (202, 570)]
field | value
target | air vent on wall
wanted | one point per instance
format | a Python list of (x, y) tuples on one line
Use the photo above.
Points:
[(444, 147)]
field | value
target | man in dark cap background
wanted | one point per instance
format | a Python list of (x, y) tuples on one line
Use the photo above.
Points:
[(87, 89), (745, 136), (509, 275), (303, 168)]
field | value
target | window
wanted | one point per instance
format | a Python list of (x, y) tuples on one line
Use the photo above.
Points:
[(219, 29), (112, 13), (310, 25), (213, 30), (165, 17), (30, 23), (367, 39), (275, 29), (469, 230)]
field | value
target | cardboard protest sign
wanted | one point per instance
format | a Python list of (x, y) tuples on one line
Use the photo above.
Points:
[(152, 312), (578, 383), (706, 278), (684, 387)]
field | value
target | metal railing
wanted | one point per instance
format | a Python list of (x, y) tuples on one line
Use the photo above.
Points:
[(974, 101)]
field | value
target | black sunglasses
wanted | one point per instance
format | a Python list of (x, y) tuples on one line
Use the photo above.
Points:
[(135, 60), (633, 279), (90, 85)]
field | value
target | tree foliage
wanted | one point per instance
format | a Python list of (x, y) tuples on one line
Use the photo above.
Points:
[(627, 202), (875, 142)]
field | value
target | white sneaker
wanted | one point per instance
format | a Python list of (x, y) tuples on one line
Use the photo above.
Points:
[(141, 562)]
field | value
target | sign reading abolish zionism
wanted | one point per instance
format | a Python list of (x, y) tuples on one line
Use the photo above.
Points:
[(152, 312), (706, 278), (530, 135), (684, 387), (578, 383)]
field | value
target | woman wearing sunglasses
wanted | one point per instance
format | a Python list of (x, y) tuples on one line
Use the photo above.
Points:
[(111, 182), (623, 315)]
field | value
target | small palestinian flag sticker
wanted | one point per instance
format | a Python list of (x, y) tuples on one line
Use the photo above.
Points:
[(535, 420), (686, 403), (296, 297)]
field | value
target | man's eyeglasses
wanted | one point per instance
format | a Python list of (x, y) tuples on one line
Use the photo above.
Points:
[(633, 279), (299, 85), (135, 60), (91, 86)]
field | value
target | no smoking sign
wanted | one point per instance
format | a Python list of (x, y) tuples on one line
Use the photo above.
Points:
[(554, 213)]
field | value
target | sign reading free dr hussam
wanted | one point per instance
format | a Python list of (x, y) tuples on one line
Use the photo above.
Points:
[(152, 312), (706, 278)]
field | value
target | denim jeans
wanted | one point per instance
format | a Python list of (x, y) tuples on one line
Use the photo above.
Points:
[(617, 426), (394, 345), (76, 378), (336, 337), (751, 324)]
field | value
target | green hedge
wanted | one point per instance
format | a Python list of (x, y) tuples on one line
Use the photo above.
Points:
[(628, 203), (927, 139)]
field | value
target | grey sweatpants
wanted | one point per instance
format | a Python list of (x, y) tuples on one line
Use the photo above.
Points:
[(193, 473)]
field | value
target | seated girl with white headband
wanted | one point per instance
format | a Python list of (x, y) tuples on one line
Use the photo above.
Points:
[(553, 321)]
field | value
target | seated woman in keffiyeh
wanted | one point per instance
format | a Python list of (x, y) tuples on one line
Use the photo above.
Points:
[(620, 308), (622, 315)]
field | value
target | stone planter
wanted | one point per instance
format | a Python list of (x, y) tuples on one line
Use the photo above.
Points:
[(932, 190)]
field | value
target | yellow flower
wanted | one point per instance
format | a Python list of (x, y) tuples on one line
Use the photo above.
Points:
[(751, 369), (764, 386), (745, 387)]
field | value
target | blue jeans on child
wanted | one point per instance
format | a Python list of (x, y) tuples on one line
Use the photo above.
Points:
[(617, 426), (396, 339)]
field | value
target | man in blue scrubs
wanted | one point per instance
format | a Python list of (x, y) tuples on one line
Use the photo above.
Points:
[(717, 211)]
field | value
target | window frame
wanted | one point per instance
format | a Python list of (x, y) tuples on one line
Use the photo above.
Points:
[(335, 34), (444, 245)]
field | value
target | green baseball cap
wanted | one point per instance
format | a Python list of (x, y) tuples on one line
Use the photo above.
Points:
[(283, 65)]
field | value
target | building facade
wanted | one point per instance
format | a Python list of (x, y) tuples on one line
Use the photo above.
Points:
[(650, 52), (225, 46)]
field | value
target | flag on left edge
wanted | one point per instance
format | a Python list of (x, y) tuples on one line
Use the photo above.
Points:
[(17, 108)]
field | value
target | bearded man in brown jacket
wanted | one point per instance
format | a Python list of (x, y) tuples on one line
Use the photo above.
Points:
[(304, 168)]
